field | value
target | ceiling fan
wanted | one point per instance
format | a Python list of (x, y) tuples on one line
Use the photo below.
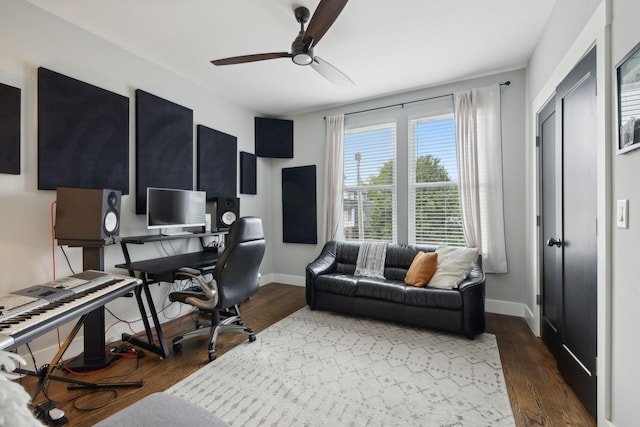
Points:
[(302, 47)]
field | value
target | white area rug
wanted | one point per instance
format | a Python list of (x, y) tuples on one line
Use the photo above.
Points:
[(317, 368)]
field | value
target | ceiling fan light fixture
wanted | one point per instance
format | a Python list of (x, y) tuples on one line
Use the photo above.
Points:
[(302, 58), (301, 52)]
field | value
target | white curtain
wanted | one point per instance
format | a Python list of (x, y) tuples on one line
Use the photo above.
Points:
[(333, 177), (479, 151)]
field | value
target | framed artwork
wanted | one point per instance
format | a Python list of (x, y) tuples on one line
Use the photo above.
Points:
[(628, 91)]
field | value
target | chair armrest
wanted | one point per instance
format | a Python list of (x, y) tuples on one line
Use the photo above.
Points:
[(210, 288)]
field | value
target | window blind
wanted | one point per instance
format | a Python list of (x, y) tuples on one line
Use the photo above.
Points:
[(370, 183), (434, 203)]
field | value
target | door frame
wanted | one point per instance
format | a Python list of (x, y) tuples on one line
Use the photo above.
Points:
[(596, 32)]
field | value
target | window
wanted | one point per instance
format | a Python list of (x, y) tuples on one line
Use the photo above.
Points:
[(434, 203), (401, 175), (370, 183)]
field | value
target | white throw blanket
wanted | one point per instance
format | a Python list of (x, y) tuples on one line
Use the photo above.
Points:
[(370, 262), (14, 400)]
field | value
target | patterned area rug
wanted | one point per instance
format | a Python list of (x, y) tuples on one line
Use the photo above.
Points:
[(317, 368)]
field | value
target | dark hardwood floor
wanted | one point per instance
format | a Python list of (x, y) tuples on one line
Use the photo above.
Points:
[(539, 396)]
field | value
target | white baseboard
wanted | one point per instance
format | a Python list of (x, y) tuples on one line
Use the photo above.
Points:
[(282, 278), (507, 308)]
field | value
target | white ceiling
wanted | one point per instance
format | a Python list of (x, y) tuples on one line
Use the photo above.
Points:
[(384, 46)]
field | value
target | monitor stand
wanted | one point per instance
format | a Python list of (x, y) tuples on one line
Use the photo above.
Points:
[(174, 232)]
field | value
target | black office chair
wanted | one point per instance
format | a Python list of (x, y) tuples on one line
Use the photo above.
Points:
[(234, 279)]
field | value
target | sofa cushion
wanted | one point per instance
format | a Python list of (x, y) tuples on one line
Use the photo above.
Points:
[(337, 283), (421, 269), (388, 290), (436, 298), (399, 258), (454, 264), (346, 256)]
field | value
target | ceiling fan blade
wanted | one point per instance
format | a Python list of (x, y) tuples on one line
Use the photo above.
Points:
[(250, 58), (331, 73), (323, 18)]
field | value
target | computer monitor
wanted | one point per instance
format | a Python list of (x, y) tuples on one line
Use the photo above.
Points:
[(170, 209)]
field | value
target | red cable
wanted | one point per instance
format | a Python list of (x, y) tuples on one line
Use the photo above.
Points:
[(53, 244)]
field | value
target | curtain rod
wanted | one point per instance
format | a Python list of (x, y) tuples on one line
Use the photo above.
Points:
[(402, 104)]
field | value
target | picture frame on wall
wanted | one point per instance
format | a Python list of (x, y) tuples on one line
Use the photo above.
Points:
[(628, 95)]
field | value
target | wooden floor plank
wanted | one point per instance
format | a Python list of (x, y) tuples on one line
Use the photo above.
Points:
[(538, 394)]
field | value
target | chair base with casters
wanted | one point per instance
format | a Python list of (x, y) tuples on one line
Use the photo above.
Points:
[(231, 323), (234, 279)]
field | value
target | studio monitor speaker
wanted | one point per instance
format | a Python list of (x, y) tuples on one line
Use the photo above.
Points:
[(227, 211), (87, 213)]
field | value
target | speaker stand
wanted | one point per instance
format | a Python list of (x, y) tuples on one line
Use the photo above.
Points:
[(94, 356)]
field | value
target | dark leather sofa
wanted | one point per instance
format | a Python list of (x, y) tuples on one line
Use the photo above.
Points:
[(331, 285)]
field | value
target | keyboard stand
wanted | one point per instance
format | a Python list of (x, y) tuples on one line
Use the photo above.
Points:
[(94, 356), (46, 375)]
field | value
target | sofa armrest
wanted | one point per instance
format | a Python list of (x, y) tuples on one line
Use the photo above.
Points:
[(475, 278), (473, 292), (325, 263)]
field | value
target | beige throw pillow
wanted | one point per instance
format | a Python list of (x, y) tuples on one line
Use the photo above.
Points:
[(421, 269), (454, 265)]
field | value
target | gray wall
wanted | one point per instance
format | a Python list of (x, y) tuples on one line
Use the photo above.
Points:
[(29, 38), (502, 289), (625, 292), (565, 23)]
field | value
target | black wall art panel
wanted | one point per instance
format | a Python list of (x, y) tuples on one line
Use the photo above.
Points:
[(217, 163), (274, 138), (83, 135), (248, 184), (9, 129), (164, 146), (299, 212)]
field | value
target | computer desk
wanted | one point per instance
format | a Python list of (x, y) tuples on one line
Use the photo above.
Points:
[(163, 269)]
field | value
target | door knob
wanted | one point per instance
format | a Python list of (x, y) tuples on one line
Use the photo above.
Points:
[(554, 242)]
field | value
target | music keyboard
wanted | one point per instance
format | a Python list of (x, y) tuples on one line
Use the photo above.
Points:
[(82, 281), (12, 305), (24, 327)]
